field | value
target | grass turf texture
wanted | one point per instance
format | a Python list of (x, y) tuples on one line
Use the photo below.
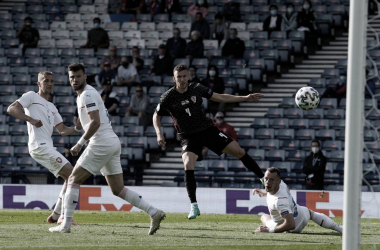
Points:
[(28, 229)]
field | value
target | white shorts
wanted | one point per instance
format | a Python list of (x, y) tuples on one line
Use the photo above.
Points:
[(104, 158), (301, 220), (50, 158)]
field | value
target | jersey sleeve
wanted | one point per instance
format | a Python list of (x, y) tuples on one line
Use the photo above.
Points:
[(283, 207), (206, 92), (26, 99), (57, 118), (89, 101), (162, 107)]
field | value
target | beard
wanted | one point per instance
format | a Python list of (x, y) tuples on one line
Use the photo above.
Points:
[(78, 86)]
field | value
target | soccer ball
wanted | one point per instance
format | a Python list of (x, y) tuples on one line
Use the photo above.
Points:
[(307, 98)]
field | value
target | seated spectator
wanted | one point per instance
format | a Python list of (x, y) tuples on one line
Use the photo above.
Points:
[(231, 11), (139, 104), (194, 48), (171, 6), (154, 7), (109, 97), (272, 22), (289, 20), (162, 64), (193, 75), (176, 45), (131, 7), (200, 6), (234, 46), (314, 167), (106, 74), (219, 29), (126, 73), (113, 6), (370, 86), (27, 35), (200, 24), (135, 59), (213, 81), (340, 88), (113, 59), (97, 37), (306, 18)]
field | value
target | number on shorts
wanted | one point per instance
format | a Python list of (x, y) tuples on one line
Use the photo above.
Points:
[(223, 135), (188, 111)]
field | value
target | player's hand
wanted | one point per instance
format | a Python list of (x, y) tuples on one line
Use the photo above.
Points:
[(254, 97), (258, 191), (161, 141), (36, 123), (75, 150), (79, 124), (262, 229)]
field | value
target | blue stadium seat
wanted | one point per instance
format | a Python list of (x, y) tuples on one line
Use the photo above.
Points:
[(218, 165), (130, 121), (8, 90), (236, 166), (246, 133), (134, 131), (314, 114), (319, 124), (275, 155), (137, 142), (6, 25), (264, 133), (288, 102), (268, 144), (293, 113), (289, 144), (295, 155), (334, 114), (265, 44), (257, 154), (317, 82), (285, 134), (275, 113), (260, 123), (249, 143), (332, 145), (325, 134), (305, 134), (282, 166), (335, 156)]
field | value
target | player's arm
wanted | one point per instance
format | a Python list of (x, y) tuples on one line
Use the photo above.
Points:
[(289, 224), (64, 130), (259, 192), (157, 126), (16, 110), (226, 98)]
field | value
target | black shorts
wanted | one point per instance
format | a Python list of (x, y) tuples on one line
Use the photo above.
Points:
[(212, 138)]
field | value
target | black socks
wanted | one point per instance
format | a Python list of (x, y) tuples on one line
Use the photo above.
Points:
[(252, 165), (191, 185)]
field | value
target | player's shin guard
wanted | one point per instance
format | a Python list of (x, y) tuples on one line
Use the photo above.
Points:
[(136, 200), (59, 206), (191, 185), (325, 221), (71, 201), (252, 165)]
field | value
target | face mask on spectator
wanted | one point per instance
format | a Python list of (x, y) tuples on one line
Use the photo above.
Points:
[(125, 64), (201, 2), (273, 12), (176, 36), (212, 72), (315, 150), (290, 10), (96, 25), (306, 6), (232, 36)]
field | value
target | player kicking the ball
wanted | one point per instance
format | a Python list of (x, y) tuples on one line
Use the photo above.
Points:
[(285, 214), (102, 153), (41, 116), (184, 103)]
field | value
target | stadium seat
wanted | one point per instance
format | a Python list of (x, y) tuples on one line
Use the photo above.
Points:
[(295, 155), (317, 82), (236, 166), (285, 134), (325, 134), (257, 154), (282, 166), (334, 114), (288, 102), (293, 113), (119, 130), (305, 134), (275, 155), (244, 177), (245, 133), (268, 144), (332, 145), (275, 113), (134, 131), (260, 123), (336, 156), (6, 25), (8, 162), (314, 114), (249, 143), (264, 133), (25, 162), (299, 123), (289, 144), (137, 142), (5, 70), (319, 124), (67, 110), (7, 90), (217, 165)]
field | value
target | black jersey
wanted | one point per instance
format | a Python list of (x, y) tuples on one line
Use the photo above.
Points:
[(186, 109)]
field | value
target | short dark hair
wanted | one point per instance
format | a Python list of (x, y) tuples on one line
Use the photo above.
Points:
[(96, 19), (28, 18), (234, 29), (162, 46), (289, 4), (179, 68), (317, 141), (139, 85), (193, 67), (199, 13), (179, 31), (136, 47), (218, 16), (273, 6), (274, 170), (76, 67)]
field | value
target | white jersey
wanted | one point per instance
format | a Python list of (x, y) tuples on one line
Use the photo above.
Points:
[(90, 100), (281, 204), (40, 109)]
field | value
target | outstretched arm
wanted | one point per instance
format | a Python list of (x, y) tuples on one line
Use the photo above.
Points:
[(259, 192), (289, 224), (64, 130), (15, 110), (157, 126), (226, 98)]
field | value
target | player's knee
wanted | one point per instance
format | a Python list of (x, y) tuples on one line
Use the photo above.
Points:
[(240, 153), (115, 192)]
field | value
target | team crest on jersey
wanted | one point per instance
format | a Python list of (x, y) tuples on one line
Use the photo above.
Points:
[(194, 98), (59, 160), (185, 102)]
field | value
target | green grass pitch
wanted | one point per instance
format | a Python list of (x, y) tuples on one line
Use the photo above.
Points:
[(28, 229)]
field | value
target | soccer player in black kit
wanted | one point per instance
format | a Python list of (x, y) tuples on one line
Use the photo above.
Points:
[(184, 103)]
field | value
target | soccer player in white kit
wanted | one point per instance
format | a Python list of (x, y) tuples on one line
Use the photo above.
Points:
[(41, 116), (285, 214), (102, 153)]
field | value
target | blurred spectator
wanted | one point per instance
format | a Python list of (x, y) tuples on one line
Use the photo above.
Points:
[(127, 73), (370, 86), (171, 6), (109, 97), (162, 64), (314, 167), (200, 6), (306, 18), (289, 20), (176, 45), (139, 104), (340, 88), (234, 46), (272, 22), (113, 59), (213, 81), (231, 11), (131, 7), (219, 29), (194, 48), (154, 7), (193, 74), (27, 35), (106, 74), (200, 24), (135, 59), (97, 37), (113, 6)]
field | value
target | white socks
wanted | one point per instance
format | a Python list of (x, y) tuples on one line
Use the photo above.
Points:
[(59, 206), (325, 221), (136, 200), (71, 201)]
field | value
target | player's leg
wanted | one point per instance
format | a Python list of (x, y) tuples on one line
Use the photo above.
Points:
[(325, 221), (189, 159)]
